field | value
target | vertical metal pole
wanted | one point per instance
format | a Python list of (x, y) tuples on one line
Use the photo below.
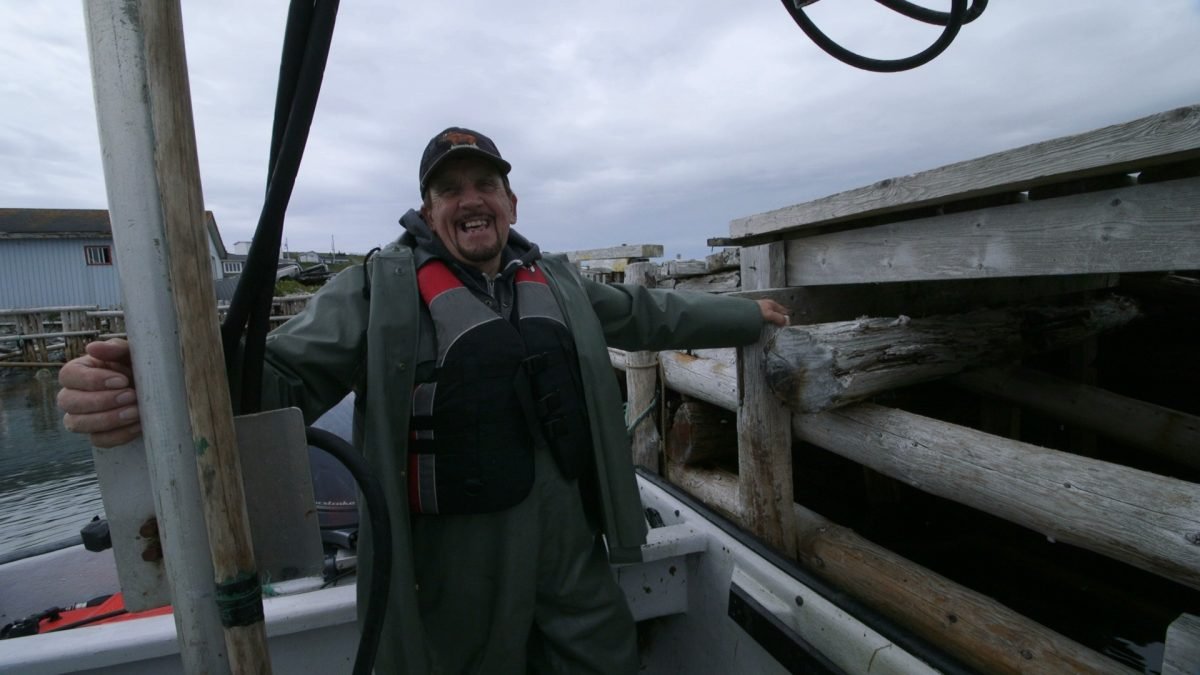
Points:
[(143, 110)]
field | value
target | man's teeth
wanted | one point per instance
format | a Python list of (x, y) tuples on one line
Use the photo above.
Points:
[(474, 224)]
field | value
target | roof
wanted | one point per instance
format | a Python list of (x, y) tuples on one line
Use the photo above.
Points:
[(60, 223)]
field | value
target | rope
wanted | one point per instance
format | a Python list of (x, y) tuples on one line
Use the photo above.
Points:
[(644, 414)]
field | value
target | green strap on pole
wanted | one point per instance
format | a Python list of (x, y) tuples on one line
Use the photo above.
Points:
[(239, 600)]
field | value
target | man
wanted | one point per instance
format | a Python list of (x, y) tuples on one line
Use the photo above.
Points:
[(487, 406)]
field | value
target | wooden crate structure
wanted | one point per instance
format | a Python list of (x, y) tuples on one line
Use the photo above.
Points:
[(937, 317)]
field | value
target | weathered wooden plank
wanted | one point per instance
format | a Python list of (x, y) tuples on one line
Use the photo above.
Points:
[(1144, 228), (842, 302), (1163, 138), (624, 251), (1181, 653), (764, 425), (822, 366), (1148, 427), (641, 381), (1149, 521), (683, 268), (979, 631), (725, 259)]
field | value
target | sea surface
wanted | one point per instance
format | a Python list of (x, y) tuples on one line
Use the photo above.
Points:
[(48, 488)]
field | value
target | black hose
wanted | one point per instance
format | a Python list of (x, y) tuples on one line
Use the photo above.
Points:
[(954, 22), (933, 16), (251, 304), (381, 533)]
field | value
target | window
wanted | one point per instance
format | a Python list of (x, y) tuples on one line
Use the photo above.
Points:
[(231, 267), (98, 255)]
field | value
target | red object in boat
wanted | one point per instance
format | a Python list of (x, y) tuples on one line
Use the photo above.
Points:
[(110, 610)]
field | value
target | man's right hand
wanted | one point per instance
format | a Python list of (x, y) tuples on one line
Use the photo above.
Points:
[(97, 394)]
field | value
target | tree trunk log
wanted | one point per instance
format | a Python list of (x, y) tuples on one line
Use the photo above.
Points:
[(979, 631), (1151, 428), (823, 366), (1143, 519), (701, 433)]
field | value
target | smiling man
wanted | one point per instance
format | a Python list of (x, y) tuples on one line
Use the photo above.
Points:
[(487, 406)]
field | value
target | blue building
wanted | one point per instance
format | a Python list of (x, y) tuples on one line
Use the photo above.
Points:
[(65, 257)]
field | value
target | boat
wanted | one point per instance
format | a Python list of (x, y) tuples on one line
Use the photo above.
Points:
[(710, 595)]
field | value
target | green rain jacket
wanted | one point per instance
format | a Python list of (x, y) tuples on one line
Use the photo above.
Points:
[(351, 339)]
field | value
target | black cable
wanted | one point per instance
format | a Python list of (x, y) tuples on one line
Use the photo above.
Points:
[(381, 533), (953, 23), (933, 16), (251, 304)]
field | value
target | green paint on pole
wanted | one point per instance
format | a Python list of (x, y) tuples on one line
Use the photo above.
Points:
[(201, 445)]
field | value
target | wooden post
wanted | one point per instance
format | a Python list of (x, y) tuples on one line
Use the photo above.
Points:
[(1181, 654), (764, 424), (143, 108), (641, 380)]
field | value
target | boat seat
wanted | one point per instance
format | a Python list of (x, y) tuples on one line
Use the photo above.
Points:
[(658, 585)]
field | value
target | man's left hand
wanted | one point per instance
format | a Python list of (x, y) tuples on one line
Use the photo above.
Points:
[(773, 312)]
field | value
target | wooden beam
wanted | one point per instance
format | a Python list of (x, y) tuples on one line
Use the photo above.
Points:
[(976, 629), (843, 302), (682, 268), (624, 251), (822, 366), (1163, 138), (1149, 521), (764, 425), (1151, 428), (1144, 228), (725, 259)]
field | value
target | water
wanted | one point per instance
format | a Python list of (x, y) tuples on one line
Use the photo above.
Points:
[(48, 488)]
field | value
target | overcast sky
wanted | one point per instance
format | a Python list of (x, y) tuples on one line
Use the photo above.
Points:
[(626, 121)]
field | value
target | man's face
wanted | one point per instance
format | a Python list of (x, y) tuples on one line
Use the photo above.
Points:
[(470, 210)]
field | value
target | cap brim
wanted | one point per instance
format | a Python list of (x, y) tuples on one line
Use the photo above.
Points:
[(464, 151)]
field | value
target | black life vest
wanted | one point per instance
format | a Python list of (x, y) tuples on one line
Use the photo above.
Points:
[(499, 387)]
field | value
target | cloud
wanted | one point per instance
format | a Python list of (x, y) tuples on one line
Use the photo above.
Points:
[(625, 124)]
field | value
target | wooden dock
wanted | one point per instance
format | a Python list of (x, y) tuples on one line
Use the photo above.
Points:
[(47, 337), (1013, 334)]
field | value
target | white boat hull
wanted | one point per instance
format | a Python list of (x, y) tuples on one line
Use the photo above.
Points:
[(695, 571)]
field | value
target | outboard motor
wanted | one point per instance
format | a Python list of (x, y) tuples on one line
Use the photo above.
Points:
[(336, 494)]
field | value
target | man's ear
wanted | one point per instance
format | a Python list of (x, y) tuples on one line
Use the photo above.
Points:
[(512, 196)]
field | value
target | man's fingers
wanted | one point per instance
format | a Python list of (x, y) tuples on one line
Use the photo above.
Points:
[(101, 422), (87, 373), (111, 439), (81, 402), (115, 349)]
